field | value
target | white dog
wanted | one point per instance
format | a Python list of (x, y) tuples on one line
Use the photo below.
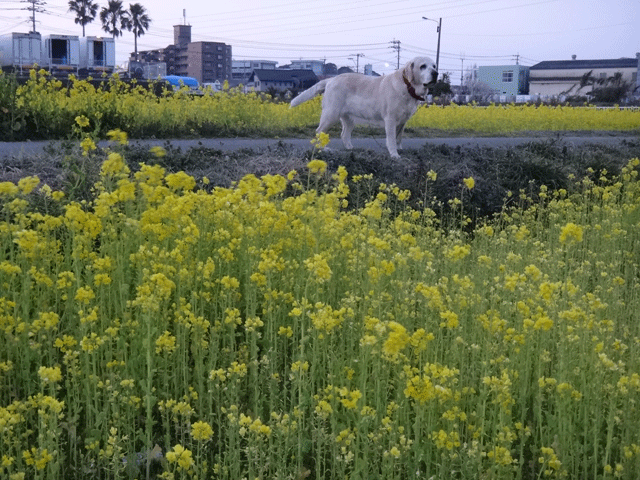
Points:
[(391, 100)]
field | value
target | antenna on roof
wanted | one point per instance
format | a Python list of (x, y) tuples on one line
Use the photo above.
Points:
[(184, 16)]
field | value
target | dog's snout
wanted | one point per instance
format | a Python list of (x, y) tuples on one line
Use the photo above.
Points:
[(434, 80)]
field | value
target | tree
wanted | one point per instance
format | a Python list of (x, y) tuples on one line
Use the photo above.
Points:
[(479, 91), (442, 86), (114, 18), (85, 10), (587, 80), (138, 23), (611, 90), (329, 69)]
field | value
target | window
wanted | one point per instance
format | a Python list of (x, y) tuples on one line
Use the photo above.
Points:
[(507, 76)]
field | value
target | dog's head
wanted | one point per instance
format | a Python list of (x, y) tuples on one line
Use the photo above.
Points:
[(422, 74)]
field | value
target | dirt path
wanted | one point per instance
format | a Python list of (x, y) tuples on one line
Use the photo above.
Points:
[(377, 144)]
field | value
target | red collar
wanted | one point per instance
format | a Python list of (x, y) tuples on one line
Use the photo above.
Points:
[(412, 91)]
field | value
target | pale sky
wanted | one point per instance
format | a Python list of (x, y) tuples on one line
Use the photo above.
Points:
[(474, 32)]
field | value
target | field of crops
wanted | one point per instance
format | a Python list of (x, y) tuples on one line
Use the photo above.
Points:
[(44, 108), (166, 329)]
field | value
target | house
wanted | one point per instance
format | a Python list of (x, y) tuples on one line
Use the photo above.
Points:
[(281, 80), (241, 69), (505, 79), (569, 77)]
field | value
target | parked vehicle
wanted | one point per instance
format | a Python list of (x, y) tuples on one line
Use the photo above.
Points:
[(61, 54), (20, 51), (97, 56), (177, 82)]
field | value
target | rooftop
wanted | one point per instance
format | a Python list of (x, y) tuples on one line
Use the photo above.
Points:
[(586, 64), (280, 75)]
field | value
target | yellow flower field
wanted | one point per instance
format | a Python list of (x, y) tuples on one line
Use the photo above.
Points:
[(44, 108), (164, 330), (522, 118)]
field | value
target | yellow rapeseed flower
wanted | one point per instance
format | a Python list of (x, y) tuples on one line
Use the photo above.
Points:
[(321, 140), (181, 456), (84, 295), (8, 188), (469, 182), (201, 431), (397, 340), (87, 145), (37, 458), (319, 268), (180, 180), (82, 121), (166, 343), (457, 252), (571, 233), (158, 151), (114, 165), (50, 374), (28, 184), (450, 319), (285, 331), (117, 135), (317, 166)]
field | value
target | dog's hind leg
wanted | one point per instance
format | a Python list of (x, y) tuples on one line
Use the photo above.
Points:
[(347, 128), (327, 118)]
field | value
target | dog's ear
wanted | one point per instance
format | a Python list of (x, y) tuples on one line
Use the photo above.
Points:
[(408, 72)]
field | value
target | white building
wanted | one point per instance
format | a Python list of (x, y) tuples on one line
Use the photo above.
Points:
[(317, 66), (565, 77)]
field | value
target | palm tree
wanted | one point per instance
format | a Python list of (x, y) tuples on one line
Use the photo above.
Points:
[(138, 23), (114, 18), (85, 11)]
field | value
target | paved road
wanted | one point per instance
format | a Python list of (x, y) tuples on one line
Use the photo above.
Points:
[(27, 149)]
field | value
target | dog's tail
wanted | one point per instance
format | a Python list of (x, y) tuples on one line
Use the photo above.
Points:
[(308, 94)]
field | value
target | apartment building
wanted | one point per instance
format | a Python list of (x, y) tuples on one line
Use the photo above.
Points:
[(207, 62)]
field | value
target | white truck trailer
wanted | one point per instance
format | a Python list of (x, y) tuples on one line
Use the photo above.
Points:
[(97, 55), (61, 54), (20, 52)]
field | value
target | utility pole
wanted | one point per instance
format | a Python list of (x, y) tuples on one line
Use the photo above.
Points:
[(396, 47), (462, 71), (35, 7), (357, 55)]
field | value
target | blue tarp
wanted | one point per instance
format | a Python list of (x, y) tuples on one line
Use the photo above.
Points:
[(175, 80)]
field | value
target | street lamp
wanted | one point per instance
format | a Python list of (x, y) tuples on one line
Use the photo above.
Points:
[(439, 30)]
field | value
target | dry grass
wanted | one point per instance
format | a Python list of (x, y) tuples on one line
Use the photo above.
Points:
[(497, 171)]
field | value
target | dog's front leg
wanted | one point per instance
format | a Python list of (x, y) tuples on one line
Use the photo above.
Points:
[(399, 132), (390, 126)]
